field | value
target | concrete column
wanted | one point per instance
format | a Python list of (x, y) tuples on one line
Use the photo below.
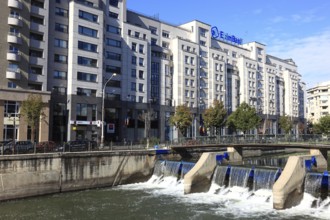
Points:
[(198, 179), (321, 159), (288, 189), (235, 154)]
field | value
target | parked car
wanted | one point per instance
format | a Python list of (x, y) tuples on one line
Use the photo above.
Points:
[(19, 147), (80, 145), (46, 146)]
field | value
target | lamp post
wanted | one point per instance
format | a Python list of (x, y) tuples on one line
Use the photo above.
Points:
[(102, 123)]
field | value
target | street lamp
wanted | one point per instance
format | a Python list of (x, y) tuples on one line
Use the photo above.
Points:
[(102, 123)]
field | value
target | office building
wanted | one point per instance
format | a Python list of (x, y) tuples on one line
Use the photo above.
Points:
[(318, 102), (69, 52)]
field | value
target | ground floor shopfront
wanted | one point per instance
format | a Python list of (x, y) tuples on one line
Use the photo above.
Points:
[(12, 124)]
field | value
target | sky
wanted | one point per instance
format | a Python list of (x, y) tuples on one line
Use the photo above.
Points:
[(297, 29)]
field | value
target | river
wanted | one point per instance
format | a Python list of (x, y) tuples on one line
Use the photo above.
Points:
[(159, 198)]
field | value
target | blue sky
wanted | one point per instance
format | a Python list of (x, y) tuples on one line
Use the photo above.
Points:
[(297, 29)]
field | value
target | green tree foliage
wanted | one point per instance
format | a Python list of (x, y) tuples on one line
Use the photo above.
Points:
[(31, 110), (286, 124), (244, 118), (215, 115), (323, 126), (182, 119)]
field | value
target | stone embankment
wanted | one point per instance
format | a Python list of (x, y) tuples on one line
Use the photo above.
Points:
[(32, 175)]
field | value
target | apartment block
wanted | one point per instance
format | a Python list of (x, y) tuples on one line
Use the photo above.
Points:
[(318, 102), (81, 54)]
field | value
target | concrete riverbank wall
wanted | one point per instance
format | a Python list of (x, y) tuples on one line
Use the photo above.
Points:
[(32, 175)]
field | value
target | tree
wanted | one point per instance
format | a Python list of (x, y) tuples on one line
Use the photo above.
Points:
[(244, 118), (286, 124), (323, 126), (31, 111), (215, 115), (182, 119)]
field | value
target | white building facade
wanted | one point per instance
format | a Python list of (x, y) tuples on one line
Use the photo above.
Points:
[(318, 102), (158, 66)]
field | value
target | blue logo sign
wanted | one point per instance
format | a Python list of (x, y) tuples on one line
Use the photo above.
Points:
[(216, 34)]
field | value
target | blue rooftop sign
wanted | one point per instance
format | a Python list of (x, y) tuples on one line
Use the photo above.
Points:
[(216, 34)]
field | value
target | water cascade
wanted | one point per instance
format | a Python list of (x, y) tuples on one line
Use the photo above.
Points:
[(185, 168), (166, 168), (317, 184), (265, 178), (239, 176)]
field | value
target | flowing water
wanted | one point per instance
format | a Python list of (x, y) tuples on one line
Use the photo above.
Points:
[(162, 197)]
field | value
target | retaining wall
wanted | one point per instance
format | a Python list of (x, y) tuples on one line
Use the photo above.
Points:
[(31, 175)]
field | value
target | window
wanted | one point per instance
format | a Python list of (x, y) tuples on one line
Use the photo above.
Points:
[(61, 28), (11, 85), (202, 43), (86, 92), (186, 59), (87, 46), (36, 53), (36, 70), (89, 77), (133, 46), (113, 69), (141, 99), (141, 86), (141, 61), (87, 31), (81, 111), (187, 82), (165, 44), (186, 93), (153, 41), (166, 34), (114, 43), (59, 74), (60, 58), (134, 60), (13, 67), (113, 3), (192, 61), (61, 43), (137, 34), (234, 54), (37, 20), (153, 30), (113, 29), (59, 90), (192, 83), (113, 15), (61, 12), (113, 56), (88, 16), (133, 73), (38, 37), (141, 48), (84, 61), (133, 86), (186, 71), (141, 74), (58, 1), (192, 72)]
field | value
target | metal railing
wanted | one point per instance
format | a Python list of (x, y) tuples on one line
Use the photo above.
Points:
[(254, 139)]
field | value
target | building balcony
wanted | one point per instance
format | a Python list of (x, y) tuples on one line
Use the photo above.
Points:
[(38, 10), (15, 20), (15, 4), (37, 44), (36, 77), (37, 27), (14, 38), (13, 56), (13, 74), (37, 61)]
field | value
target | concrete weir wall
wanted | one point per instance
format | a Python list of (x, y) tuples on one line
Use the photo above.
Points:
[(198, 179), (31, 175)]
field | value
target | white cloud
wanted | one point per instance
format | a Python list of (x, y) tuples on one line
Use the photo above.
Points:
[(278, 19), (311, 55)]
